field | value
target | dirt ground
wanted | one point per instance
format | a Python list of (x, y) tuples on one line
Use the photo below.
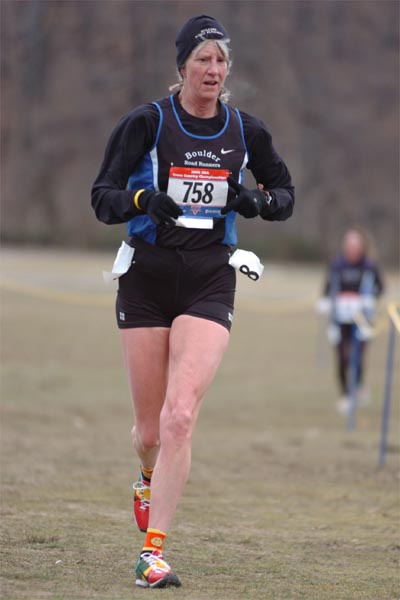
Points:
[(282, 502)]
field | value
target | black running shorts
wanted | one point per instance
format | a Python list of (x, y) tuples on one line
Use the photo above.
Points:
[(162, 284)]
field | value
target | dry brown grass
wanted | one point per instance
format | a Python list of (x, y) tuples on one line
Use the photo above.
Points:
[(282, 502)]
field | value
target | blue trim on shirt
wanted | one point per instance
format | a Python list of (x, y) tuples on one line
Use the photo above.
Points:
[(230, 237), (142, 178), (159, 125), (201, 137), (241, 130)]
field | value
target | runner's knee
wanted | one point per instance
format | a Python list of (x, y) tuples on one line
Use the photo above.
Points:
[(176, 426), (145, 439)]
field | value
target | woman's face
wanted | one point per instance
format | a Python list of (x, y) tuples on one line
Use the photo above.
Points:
[(353, 246), (204, 73)]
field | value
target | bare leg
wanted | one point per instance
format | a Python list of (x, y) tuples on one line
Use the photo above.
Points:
[(145, 352), (196, 347)]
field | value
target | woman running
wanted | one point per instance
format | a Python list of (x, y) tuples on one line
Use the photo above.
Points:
[(173, 171)]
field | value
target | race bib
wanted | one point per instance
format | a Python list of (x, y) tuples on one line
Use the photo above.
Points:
[(200, 193), (347, 305)]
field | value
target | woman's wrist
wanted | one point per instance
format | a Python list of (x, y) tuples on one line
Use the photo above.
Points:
[(136, 199)]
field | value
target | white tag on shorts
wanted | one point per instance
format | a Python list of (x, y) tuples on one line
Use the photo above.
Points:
[(200, 193), (121, 264), (247, 263)]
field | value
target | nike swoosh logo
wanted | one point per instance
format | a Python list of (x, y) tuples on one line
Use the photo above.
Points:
[(227, 151)]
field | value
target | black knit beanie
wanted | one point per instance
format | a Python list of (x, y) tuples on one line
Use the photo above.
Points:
[(197, 30)]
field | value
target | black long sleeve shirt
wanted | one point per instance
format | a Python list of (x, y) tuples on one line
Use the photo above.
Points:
[(135, 134)]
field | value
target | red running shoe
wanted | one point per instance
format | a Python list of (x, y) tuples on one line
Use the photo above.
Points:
[(152, 571), (141, 505)]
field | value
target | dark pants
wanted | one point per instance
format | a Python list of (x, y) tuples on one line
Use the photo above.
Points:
[(344, 352)]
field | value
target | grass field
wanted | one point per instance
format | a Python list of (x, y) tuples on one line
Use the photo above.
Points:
[(282, 503)]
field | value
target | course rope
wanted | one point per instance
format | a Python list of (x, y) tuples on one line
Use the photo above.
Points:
[(65, 297), (106, 300)]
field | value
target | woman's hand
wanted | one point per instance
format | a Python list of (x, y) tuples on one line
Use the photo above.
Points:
[(160, 207), (248, 203)]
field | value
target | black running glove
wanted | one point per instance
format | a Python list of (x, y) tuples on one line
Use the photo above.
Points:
[(248, 203), (159, 206)]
